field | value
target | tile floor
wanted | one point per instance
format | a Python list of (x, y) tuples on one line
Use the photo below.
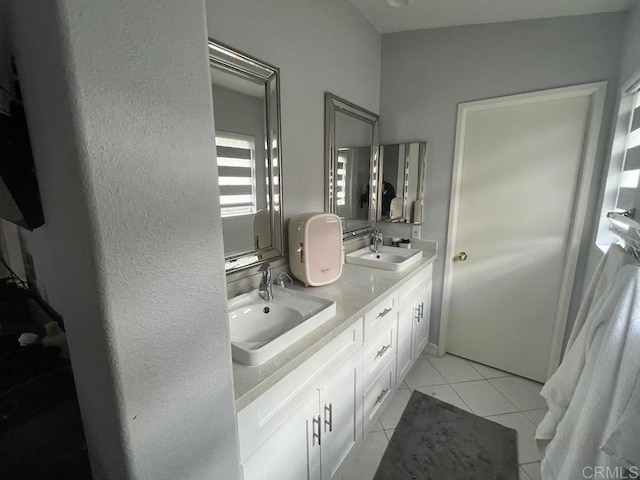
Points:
[(499, 396)]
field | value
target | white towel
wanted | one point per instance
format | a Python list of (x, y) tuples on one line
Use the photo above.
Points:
[(592, 397), (395, 209), (261, 229), (624, 441), (599, 286)]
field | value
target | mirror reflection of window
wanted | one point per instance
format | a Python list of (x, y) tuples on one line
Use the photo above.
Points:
[(236, 173), (242, 161), (341, 178), (246, 108)]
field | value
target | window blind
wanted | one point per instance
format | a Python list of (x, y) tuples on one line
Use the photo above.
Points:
[(341, 178), (631, 167), (236, 173)]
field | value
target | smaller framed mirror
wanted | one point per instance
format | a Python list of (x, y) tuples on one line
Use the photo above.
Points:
[(402, 173), (246, 98), (351, 158)]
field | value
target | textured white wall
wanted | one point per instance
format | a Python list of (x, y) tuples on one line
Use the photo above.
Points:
[(319, 46), (427, 73), (120, 115)]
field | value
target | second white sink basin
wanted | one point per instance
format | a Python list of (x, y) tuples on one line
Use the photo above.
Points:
[(387, 258), (260, 329)]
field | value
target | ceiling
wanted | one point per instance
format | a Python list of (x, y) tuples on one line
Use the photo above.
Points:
[(445, 13)]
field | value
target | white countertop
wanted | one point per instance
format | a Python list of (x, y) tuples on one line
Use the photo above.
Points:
[(357, 290)]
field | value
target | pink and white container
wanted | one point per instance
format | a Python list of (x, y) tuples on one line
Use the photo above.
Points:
[(315, 248)]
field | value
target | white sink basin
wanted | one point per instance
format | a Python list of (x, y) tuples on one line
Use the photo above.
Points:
[(260, 330), (387, 258)]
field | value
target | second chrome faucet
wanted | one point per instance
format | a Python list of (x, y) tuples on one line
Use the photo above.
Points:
[(376, 240), (266, 285), (265, 289)]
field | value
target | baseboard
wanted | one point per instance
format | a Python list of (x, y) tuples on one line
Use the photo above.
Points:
[(431, 349)]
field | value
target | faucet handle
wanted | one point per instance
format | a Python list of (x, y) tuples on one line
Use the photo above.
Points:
[(281, 281), (265, 269)]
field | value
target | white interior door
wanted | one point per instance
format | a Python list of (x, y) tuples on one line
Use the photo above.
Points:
[(519, 165)]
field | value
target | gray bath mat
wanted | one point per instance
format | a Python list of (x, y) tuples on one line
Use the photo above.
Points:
[(437, 441)]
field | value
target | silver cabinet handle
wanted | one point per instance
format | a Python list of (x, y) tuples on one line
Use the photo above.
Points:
[(328, 423), (417, 313), (382, 351), (422, 310), (384, 312), (381, 396), (316, 420)]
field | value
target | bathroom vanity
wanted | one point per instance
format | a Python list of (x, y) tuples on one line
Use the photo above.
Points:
[(303, 412), (324, 370)]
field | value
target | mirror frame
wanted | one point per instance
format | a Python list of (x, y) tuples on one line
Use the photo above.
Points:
[(230, 59), (422, 168), (333, 105)]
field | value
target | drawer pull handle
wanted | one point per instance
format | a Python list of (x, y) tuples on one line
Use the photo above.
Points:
[(422, 310), (383, 393), (384, 312), (416, 312), (316, 420), (382, 351), (328, 409)]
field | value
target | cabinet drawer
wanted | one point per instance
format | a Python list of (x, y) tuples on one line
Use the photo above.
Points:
[(379, 314), (380, 349), (261, 418), (379, 394)]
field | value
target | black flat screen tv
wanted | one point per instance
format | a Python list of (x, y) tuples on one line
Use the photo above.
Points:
[(19, 193)]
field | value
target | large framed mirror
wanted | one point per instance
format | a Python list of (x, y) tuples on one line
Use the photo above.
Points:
[(246, 98), (351, 158), (401, 191)]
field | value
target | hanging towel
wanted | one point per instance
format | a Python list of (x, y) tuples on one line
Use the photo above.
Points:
[(261, 229), (624, 441), (592, 414), (395, 210), (599, 286)]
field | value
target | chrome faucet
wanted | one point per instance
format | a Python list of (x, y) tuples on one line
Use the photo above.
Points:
[(376, 239), (265, 289)]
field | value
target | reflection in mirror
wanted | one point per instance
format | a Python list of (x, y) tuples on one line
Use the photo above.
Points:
[(246, 109), (402, 167), (351, 139)]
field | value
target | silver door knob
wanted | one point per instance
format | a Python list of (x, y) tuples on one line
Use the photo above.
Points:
[(461, 256)]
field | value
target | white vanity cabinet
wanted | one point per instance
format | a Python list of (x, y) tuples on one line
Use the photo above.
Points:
[(292, 452), (413, 321), (314, 441), (306, 425)]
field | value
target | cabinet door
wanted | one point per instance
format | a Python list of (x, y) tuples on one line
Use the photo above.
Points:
[(421, 327), (293, 451), (406, 320), (407, 324), (341, 412)]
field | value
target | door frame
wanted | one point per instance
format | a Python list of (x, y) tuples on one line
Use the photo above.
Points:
[(596, 91)]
